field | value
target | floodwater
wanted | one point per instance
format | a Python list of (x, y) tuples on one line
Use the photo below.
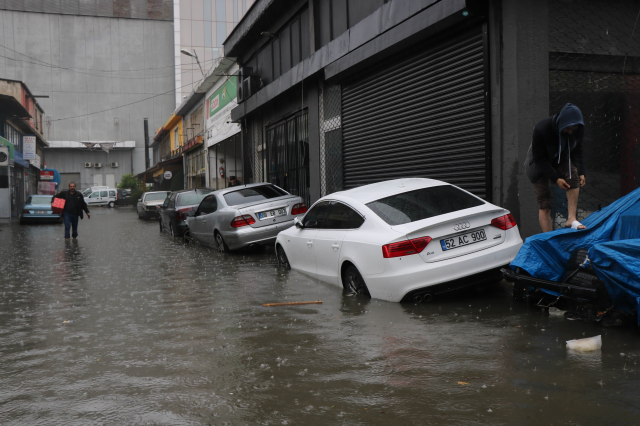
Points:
[(128, 326)]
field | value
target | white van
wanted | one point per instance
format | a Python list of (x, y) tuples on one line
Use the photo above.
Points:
[(89, 190), (101, 197)]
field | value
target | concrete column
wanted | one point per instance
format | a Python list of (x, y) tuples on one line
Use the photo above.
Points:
[(519, 68), (314, 139)]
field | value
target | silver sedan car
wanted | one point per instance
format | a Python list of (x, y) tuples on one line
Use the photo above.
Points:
[(242, 216), (149, 202)]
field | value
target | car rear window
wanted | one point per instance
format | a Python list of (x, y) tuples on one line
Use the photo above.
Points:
[(253, 195), (190, 198), (156, 197), (40, 199), (422, 204)]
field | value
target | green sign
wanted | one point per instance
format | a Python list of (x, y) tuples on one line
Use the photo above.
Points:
[(4, 142), (221, 97)]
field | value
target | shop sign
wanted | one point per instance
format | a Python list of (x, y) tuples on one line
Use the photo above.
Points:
[(167, 175), (46, 175), (29, 147), (222, 97), (36, 162)]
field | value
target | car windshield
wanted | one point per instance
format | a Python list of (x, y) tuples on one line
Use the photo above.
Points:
[(422, 204), (40, 199), (253, 195), (155, 197), (190, 198), (86, 192)]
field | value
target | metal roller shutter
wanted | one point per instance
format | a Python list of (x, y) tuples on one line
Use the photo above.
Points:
[(420, 115)]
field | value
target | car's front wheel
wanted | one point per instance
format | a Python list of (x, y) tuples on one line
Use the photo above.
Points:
[(188, 239), (283, 260), (111, 204), (222, 246), (353, 282)]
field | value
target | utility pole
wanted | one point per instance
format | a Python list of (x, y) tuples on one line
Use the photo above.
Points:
[(146, 144)]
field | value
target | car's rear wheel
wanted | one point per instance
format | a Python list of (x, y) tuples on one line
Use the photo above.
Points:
[(111, 204), (353, 282), (188, 239), (222, 246), (282, 257), (173, 234)]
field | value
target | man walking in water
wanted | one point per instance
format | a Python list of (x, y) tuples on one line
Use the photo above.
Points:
[(73, 207), (555, 157)]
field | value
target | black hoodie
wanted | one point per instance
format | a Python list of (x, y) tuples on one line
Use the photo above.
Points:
[(549, 146)]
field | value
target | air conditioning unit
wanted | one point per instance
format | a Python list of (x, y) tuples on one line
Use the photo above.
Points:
[(244, 73), (87, 164), (97, 164), (114, 164)]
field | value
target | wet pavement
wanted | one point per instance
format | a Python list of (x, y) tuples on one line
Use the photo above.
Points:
[(128, 326)]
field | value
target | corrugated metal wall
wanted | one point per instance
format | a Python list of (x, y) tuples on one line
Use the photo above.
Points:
[(136, 9), (422, 114)]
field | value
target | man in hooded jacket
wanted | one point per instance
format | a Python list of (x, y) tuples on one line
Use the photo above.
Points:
[(556, 157)]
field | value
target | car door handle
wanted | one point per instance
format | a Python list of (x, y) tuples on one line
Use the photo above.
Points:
[(309, 243), (335, 246)]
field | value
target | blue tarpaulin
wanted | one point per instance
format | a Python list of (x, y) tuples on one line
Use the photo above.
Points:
[(612, 238)]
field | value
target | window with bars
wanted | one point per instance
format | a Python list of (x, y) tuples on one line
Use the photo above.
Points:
[(285, 158)]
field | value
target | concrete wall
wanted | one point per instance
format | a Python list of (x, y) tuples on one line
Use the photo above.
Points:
[(72, 161), (519, 67), (99, 70)]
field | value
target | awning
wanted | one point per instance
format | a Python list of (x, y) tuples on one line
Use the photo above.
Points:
[(17, 158), (158, 172), (225, 132), (10, 107)]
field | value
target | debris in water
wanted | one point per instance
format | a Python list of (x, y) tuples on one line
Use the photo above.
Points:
[(489, 410), (585, 345), (463, 383), (67, 321), (317, 302)]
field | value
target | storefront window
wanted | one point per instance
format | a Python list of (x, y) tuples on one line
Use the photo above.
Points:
[(286, 157), (195, 169), (225, 161)]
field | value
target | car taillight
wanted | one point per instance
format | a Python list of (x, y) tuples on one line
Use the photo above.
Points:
[(504, 222), (241, 221), (405, 248), (181, 214), (297, 209), (25, 211)]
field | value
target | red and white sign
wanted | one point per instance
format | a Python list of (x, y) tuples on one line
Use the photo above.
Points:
[(46, 175)]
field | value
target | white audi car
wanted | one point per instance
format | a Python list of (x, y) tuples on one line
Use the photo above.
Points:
[(401, 240)]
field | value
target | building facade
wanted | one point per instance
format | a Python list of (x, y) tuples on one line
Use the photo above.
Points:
[(201, 25), (21, 130), (105, 65), (341, 93)]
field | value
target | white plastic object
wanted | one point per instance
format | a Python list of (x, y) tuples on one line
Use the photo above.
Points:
[(585, 345)]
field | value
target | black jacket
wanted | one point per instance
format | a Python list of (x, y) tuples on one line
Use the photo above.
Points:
[(79, 201), (544, 151)]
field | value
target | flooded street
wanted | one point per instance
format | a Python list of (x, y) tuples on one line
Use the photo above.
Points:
[(128, 326)]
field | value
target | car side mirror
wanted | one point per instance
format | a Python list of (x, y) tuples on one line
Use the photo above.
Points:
[(298, 224)]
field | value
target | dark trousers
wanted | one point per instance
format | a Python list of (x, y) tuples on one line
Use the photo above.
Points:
[(70, 220)]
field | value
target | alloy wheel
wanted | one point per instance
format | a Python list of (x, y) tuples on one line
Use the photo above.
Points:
[(188, 239), (222, 246), (354, 283)]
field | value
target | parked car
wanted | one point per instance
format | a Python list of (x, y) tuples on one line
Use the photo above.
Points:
[(126, 192), (88, 191), (37, 209), (403, 239), (148, 204), (238, 217), (173, 212), (102, 197)]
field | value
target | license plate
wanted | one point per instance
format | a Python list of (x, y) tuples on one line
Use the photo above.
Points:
[(272, 213), (463, 240), (39, 212)]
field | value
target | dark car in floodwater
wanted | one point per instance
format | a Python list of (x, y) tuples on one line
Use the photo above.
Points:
[(173, 212), (37, 209)]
